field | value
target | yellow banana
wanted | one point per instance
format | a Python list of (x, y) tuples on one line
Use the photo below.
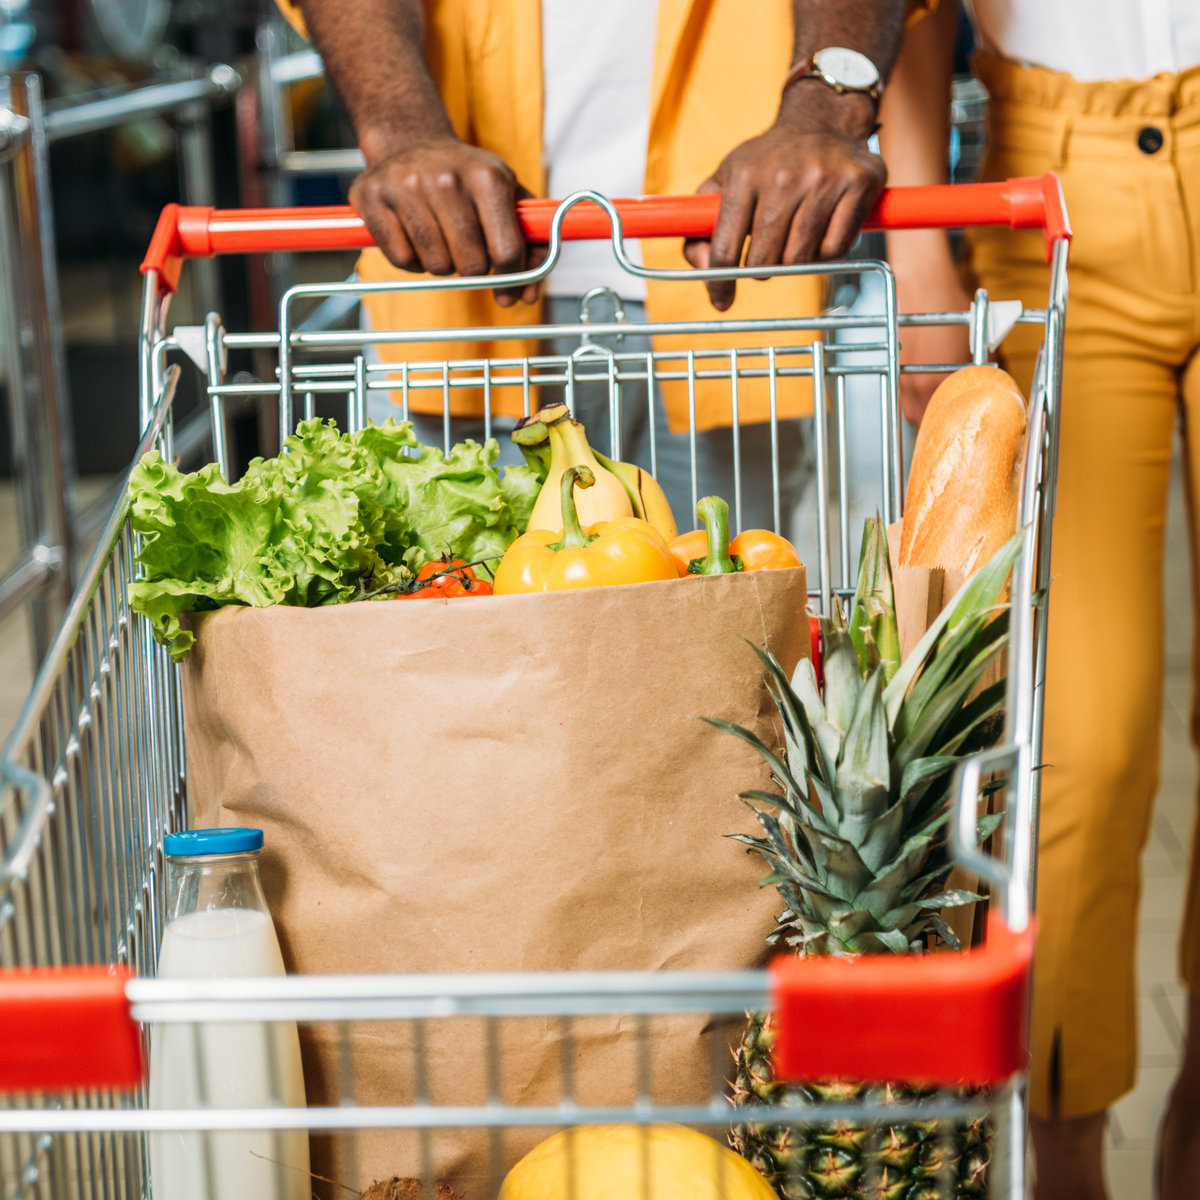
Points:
[(606, 500), (647, 497)]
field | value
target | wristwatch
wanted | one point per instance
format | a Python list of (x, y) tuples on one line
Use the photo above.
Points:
[(843, 69)]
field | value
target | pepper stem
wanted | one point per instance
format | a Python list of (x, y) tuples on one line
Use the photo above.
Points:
[(714, 513), (574, 535)]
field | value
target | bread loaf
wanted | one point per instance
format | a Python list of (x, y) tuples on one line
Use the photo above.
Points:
[(963, 489)]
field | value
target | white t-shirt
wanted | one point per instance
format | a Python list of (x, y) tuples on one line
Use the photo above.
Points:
[(1093, 39), (597, 66)]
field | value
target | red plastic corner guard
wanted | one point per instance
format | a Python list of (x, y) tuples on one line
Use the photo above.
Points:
[(1035, 202), (942, 1019), (182, 232), (64, 1028), (817, 649)]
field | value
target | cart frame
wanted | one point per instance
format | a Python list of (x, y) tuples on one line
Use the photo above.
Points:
[(95, 769)]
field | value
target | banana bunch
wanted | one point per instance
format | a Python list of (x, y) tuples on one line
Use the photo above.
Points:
[(553, 441)]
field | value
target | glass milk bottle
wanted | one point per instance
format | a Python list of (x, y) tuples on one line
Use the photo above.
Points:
[(218, 927)]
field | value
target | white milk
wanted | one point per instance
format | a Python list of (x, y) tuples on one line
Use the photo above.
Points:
[(225, 1065)]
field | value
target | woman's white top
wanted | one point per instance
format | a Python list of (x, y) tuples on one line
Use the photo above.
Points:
[(1093, 39), (597, 67)]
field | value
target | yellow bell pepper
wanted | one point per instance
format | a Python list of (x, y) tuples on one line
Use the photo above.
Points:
[(626, 550)]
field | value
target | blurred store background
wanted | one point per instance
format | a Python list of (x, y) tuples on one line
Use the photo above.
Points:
[(110, 110)]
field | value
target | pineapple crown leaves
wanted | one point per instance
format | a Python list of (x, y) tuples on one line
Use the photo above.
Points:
[(863, 776), (857, 877), (856, 836), (974, 600), (873, 629)]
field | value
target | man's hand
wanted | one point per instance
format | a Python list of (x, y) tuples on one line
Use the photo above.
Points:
[(799, 192), (431, 202), (441, 206)]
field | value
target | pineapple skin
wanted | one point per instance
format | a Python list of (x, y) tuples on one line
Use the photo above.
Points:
[(847, 1161)]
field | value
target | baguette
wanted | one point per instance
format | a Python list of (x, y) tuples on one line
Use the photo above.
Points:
[(964, 486)]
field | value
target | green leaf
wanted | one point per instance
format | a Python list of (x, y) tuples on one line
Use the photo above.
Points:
[(842, 679), (873, 629), (939, 926), (979, 593), (919, 773), (890, 941), (773, 799), (863, 773), (883, 892), (802, 850), (309, 526), (797, 717), (782, 850), (837, 863), (847, 925), (951, 899), (792, 804), (977, 640), (915, 743), (974, 726), (778, 768), (904, 918), (883, 838), (520, 487), (987, 825), (826, 746)]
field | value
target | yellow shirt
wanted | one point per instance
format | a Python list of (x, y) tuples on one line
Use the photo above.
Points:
[(717, 79)]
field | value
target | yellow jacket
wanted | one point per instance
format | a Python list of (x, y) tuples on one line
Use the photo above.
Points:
[(719, 66)]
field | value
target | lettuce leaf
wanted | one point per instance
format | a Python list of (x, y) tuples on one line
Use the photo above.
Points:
[(333, 516)]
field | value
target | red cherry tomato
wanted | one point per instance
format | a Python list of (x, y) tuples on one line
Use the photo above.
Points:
[(447, 578)]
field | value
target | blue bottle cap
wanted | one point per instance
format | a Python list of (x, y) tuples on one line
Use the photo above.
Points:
[(212, 841)]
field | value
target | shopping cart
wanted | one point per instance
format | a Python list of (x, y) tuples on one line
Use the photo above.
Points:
[(95, 770)]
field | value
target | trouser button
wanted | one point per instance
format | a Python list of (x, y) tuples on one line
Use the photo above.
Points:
[(1150, 140)]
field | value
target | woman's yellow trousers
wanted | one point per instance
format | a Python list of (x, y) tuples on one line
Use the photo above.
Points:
[(1129, 157)]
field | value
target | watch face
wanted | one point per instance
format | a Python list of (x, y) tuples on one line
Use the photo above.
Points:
[(846, 67)]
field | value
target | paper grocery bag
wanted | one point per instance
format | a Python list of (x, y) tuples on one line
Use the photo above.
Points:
[(515, 783)]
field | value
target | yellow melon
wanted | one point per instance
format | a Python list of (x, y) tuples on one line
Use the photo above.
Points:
[(633, 1162)]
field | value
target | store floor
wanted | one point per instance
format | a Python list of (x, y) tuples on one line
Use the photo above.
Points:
[(1132, 1131)]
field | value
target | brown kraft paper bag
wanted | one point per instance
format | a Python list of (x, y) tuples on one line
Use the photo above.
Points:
[(921, 593), (514, 783)]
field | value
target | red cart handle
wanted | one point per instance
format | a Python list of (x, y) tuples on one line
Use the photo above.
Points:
[(1034, 202), (941, 1020), (65, 1028)]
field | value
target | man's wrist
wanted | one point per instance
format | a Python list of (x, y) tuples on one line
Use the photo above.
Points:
[(382, 140), (811, 106)]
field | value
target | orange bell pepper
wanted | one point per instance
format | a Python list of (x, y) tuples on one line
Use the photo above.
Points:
[(709, 551), (687, 546), (762, 550), (627, 550)]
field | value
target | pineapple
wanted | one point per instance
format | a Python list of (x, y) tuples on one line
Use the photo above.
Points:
[(856, 841)]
